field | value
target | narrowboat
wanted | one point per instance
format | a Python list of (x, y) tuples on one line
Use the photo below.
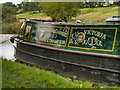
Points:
[(90, 51)]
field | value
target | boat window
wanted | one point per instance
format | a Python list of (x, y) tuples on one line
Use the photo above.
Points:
[(33, 34), (27, 31)]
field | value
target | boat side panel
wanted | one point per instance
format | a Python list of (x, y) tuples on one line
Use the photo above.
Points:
[(102, 39)]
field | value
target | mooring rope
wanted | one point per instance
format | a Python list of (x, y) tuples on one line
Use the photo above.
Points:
[(4, 41)]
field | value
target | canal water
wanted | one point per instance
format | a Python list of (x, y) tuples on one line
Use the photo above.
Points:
[(6, 47)]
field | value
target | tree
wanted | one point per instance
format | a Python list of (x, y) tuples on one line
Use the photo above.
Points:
[(10, 4), (28, 6), (8, 12), (117, 3), (62, 11), (32, 6)]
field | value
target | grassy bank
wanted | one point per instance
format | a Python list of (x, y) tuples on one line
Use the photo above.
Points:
[(16, 75), (30, 15), (97, 15), (86, 15)]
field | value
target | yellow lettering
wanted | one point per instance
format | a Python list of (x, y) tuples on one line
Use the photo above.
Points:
[(92, 41), (99, 43), (104, 36), (98, 34), (85, 31)]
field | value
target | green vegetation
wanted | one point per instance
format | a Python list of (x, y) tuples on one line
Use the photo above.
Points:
[(30, 12), (16, 75), (97, 15), (27, 6), (8, 12), (61, 11), (28, 15), (11, 28), (32, 6), (9, 24), (86, 15)]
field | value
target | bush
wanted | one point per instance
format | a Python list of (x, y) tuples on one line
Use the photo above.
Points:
[(11, 28), (10, 19)]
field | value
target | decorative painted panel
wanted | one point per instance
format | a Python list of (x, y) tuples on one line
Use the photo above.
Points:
[(91, 38)]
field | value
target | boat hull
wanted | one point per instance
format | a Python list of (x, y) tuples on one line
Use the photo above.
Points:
[(85, 66)]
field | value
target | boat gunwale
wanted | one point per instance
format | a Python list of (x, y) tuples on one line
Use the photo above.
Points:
[(65, 23)]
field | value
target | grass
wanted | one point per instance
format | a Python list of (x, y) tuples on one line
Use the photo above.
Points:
[(16, 75), (96, 15), (86, 15), (31, 12), (30, 15)]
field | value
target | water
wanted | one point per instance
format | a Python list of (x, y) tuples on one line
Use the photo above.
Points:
[(6, 47)]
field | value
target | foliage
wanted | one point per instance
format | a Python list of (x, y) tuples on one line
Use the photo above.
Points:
[(16, 75), (8, 12), (28, 6), (10, 4), (10, 28), (116, 3), (62, 11), (9, 24)]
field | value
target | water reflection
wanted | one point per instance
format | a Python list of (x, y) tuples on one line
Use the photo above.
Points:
[(6, 48)]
